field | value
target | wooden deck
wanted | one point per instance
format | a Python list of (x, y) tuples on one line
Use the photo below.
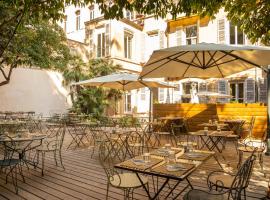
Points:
[(84, 178)]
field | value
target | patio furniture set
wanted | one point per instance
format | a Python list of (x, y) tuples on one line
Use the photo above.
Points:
[(135, 146)]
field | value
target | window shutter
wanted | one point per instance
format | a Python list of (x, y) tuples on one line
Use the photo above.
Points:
[(263, 90), (161, 39), (107, 40), (176, 93), (249, 94), (179, 36), (161, 95), (91, 43), (221, 31), (223, 88), (143, 47)]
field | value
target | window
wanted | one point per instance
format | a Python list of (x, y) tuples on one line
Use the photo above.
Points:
[(101, 45), (128, 102), (187, 87), (161, 94), (91, 12), (191, 34), (237, 91), (129, 15), (128, 44), (236, 36), (78, 20), (65, 23), (143, 94)]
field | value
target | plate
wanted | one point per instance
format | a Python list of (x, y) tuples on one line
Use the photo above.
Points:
[(162, 150), (194, 155), (138, 161), (175, 167)]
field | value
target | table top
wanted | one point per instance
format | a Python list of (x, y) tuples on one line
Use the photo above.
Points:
[(22, 139), (12, 122), (212, 133), (170, 118), (158, 166), (233, 120), (213, 124)]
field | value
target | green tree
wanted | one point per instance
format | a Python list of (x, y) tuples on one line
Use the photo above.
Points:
[(251, 16), (91, 99), (41, 44)]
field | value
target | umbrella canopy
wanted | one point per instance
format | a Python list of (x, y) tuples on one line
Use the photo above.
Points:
[(123, 81), (204, 60)]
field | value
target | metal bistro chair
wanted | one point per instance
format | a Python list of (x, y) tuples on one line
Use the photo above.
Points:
[(181, 136), (10, 160), (227, 186), (250, 144), (127, 182), (53, 143)]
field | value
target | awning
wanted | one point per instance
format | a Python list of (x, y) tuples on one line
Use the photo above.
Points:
[(186, 21)]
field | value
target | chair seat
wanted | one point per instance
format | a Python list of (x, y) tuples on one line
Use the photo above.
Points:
[(9, 162), (135, 144), (250, 149), (222, 179), (46, 148), (186, 143), (127, 180), (163, 133), (202, 195)]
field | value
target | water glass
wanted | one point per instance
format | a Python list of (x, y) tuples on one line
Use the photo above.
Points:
[(205, 130), (210, 121), (167, 146), (146, 157), (171, 157)]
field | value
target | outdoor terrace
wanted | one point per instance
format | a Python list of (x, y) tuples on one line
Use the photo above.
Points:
[(84, 178)]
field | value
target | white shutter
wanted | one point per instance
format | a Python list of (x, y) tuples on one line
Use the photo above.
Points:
[(91, 43), (161, 95), (249, 94), (262, 90), (221, 31), (143, 50), (180, 36), (223, 88), (161, 39), (107, 40)]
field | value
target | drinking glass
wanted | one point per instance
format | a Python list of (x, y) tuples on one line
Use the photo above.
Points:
[(171, 157), (167, 146), (146, 157), (205, 130)]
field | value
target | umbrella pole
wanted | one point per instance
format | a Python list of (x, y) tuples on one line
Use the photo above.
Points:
[(268, 112), (150, 105)]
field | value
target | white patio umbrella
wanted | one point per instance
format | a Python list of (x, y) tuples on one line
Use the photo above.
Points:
[(125, 82), (122, 81), (206, 60)]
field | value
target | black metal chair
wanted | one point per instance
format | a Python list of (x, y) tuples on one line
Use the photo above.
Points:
[(127, 182), (52, 144), (181, 136), (227, 186), (10, 161)]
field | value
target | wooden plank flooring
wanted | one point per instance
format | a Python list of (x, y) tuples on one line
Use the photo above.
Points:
[(84, 178)]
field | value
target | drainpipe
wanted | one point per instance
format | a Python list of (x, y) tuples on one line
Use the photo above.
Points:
[(268, 112)]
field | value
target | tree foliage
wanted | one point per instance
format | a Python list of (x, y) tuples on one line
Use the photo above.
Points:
[(91, 100), (41, 44)]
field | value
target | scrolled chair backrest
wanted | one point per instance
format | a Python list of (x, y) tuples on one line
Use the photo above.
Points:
[(242, 178), (107, 160)]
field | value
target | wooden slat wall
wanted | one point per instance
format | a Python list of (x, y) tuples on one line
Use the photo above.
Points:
[(200, 113)]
